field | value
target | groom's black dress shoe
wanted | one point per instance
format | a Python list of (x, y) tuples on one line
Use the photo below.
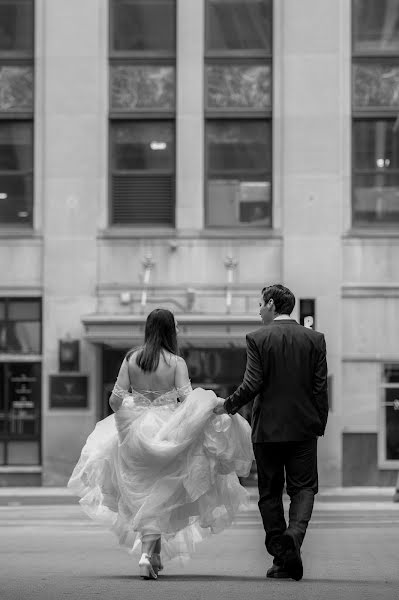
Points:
[(291, 555), (278, 572)]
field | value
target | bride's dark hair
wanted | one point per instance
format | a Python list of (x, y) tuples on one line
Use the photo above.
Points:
[(159, 335)]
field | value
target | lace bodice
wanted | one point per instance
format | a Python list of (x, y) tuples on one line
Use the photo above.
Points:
[(169, 397)]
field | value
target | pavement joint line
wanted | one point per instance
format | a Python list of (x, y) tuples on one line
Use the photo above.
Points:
[(253, 507), (327, 491)]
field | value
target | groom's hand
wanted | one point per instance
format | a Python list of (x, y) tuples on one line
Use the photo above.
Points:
[(219, 408)]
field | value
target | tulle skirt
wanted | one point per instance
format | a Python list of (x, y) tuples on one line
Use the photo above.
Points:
[(169, 470)]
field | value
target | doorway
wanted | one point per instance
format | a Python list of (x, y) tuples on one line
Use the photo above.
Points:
[(215, 368)]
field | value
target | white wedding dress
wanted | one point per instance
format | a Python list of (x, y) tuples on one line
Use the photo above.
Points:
[(163, 468)]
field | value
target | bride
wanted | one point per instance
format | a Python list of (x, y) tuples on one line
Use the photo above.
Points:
[(163, 469)]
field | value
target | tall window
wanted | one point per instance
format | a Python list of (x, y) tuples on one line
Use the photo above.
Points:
[(16, 112), (389, 417), (142, 112), (20, 381), (375, 99), (238, 82)]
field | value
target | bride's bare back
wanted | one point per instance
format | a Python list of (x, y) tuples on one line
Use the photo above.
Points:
[(171, 373), (159, 381)]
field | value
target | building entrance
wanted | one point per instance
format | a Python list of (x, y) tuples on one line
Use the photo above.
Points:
[(218, 369)]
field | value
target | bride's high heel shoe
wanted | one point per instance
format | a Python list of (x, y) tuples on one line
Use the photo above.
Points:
[(146, 569), (156, 562)]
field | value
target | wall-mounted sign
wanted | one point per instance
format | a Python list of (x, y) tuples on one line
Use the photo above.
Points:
[(68, 355), (68, 391), (307, 312)]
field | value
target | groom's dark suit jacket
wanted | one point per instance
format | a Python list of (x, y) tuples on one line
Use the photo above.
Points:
[(286, 374)]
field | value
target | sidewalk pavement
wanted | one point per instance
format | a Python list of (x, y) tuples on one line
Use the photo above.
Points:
[(14, 496)]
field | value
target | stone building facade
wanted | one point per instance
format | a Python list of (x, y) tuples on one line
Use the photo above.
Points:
[(184, 154)]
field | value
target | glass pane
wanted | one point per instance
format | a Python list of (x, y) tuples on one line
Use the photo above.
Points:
[(142, 87), (376, 145), (239, 145), (239, 86), (23, 337), (24, 399), (233, 203), (376, 199), (3, 399), (3, 337), (16, 151), (23, 453), (391, 373), (23, 310), (16, 199), (376, 84), (146, 25), (240, 25), (392, 424), (16, 189), (16, 88), (16, 26), (143, 145), (376, 25), (2, 310)]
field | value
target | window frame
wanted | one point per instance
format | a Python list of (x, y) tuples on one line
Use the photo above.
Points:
[(9, 359), (21, 54), (232, 55), (367, 54), (372, 113), (21, 58), (373, 118), (383, 461), (236, 57), (144, 57), (7, 301), (140, 172), (137, 55)]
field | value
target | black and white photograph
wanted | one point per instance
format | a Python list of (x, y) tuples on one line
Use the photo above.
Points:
[(199, 299)]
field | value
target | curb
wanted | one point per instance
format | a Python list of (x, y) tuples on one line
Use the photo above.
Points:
[(45, 496)]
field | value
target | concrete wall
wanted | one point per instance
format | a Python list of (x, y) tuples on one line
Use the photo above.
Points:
[(72, 107), (313, 116)]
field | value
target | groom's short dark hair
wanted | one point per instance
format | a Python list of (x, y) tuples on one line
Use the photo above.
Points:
[(283, 298)]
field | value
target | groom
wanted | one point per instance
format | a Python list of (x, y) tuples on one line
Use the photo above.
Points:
[(286, 374)]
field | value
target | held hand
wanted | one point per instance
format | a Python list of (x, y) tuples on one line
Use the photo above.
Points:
[(219, 408)]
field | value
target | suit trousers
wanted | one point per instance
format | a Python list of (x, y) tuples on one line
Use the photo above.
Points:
[(295, 465)]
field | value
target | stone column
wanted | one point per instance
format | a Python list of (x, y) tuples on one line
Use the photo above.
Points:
[(314, 163), (70, 135)]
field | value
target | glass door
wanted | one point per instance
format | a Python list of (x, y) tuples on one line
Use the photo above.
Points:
[(20, 414)]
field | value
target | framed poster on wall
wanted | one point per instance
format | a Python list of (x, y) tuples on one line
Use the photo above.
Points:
[(68, 391)]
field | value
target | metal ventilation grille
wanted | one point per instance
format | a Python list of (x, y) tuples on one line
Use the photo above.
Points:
[(143, 200)]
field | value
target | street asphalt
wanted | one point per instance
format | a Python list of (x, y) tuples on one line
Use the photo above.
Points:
[(54, 552)]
